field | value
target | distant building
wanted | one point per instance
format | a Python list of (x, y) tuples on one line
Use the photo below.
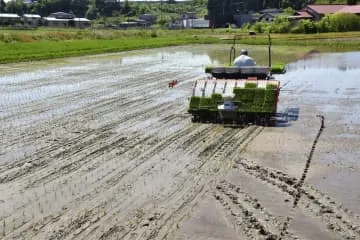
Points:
[(7, 19), (134, 23), (319, 10), (196, 23), (62, 15), (32, 20), (188, 15), (269, 17), (61, 19), (299, 15), (355, 9), (149, 18)]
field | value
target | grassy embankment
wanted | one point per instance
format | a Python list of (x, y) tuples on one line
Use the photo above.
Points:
[(27, 45)]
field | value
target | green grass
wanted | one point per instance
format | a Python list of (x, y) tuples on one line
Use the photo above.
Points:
[(45, 49), (44, 43)]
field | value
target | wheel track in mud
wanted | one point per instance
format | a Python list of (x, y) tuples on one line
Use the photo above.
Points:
[(299, 185), (247, 214), (101, 133), (99, 106), (117, 177), (48, 154), (90, 112), (333, 216), (76, 148), (184, 198)]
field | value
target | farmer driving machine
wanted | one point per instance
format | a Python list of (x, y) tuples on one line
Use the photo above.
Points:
[(236, 94)]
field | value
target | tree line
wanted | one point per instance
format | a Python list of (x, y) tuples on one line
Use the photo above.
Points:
[(95, 9)]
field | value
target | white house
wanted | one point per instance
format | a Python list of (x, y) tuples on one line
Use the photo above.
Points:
[(61, 19), (9, 19), (31, 19)]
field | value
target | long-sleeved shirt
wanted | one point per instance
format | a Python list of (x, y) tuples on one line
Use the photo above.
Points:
[(244, 61)]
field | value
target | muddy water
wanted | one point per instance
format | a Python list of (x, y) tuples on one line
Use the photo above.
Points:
[(98, 147), (328, 84)]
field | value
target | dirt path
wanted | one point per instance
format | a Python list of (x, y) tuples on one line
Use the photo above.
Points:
[(100, 148)]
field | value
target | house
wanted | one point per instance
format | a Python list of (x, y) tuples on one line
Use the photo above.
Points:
[(62, 15), (355, 9), (299, 15), (320, 10), (7, 19), (148, 17), (55, 22), (269, 17), (196, 23), (32, 20), (126, 25), (188, 15), (80, 22), (61, 19)]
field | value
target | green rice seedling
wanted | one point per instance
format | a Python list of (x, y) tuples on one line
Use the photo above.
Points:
[(217, 98), (268, 107), (250, 85), (245, 95), (278, 68), (4, 228), (259, 95), (205, 103), (270, 96), (40, 208), (14, 223), (271, 87)]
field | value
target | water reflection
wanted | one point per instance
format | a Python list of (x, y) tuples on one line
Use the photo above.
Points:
[(339, 61)]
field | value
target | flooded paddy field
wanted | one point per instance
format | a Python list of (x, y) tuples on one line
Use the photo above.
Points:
[(100, 148)]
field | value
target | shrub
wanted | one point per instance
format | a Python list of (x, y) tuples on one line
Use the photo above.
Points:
[(341, 22), (154, 33), (308, 26), (23, 37), (260, 27)]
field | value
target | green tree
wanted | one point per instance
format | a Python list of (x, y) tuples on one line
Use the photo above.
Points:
[(351, 2), (2, 6), (126, 9), (341, 22), (92, 12), (16, 6), (79, 7)]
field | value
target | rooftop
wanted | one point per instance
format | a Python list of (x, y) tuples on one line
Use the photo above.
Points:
[(303, 14), (326, 8), (9, 15), (351, 9), (32, 15)]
